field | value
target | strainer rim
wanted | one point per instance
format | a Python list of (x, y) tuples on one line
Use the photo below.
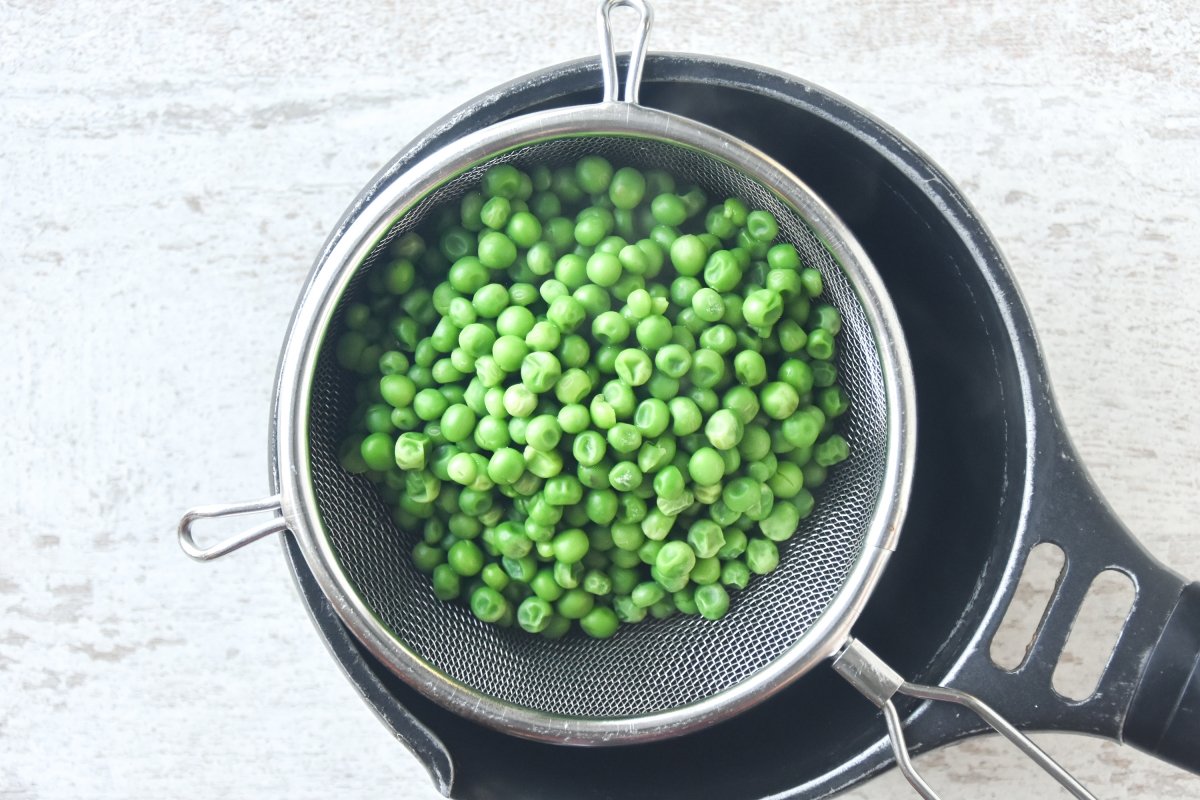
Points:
[(314, 315)]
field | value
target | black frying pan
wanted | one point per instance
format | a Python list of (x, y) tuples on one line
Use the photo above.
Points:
[(988, 428)]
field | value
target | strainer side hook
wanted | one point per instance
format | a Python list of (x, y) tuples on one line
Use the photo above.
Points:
[(608, 52)]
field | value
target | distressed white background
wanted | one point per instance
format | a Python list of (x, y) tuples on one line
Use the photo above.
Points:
[(168, 171)]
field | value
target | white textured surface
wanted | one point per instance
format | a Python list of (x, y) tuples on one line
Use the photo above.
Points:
[(168, 171)]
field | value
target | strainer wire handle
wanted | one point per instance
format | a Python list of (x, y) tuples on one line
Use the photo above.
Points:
[(869, 674), (238, 540), (608, 52)]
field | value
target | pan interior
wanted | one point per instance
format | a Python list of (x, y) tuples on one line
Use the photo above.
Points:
[(653, 666)]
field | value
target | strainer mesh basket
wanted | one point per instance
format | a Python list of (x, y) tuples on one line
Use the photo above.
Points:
[(654, 665)]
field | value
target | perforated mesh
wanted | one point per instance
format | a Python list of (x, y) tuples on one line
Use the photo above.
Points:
[(654, 665)]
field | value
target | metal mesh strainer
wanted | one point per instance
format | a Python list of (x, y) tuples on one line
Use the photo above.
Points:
[(656, 679), (653, 665)]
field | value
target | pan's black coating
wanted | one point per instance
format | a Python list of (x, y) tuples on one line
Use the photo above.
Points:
[(973, 516)]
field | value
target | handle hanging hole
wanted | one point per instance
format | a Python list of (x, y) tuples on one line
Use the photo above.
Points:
[(637, 55)]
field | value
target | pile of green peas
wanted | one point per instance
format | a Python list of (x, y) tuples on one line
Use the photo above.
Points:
[(596, 396)]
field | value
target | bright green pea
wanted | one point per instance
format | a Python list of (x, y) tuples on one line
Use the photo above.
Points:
[(566, 313), (762, 308), (820, 344), (604, 269), (505, 466), (833, 450), (397, 391), (487, 604), (519, 400), (724, 429), (675, 559), (833, 401), (688, 255), (812, 282), (762, 226), (779, 400), (668, 209), (706, 467), (712, 601), (634, 367), (610, 328), (458, 422), (624, 438), (708, 305), (626, 477), (545, 336), (543, 432), (762, 556), (570, 546), (708, 368), (718, 338), (534, 614), (465, 558), (652, 417), (685, 415), (563, 490), (653, 332), (750, 368), (669, 483), (780, 524), (593, 174), (627, 188), (574, 418), (540, 371), (673, 360)]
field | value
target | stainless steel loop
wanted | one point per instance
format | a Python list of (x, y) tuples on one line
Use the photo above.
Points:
[(869, 674), (238, 540), (637, 55)]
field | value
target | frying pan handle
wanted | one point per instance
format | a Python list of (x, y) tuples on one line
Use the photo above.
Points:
[(1164, 718), (1149, 691)]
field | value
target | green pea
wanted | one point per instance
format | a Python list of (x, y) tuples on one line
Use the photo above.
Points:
[(779, 400), (750, 368), (593, 173), (819, 344), (708, 368), (706, 467), (624, 438), (718, 338), (833, 450), (762, 308), (488, 604), (534, 614), (669, 483), (653, 332), (685, 416), (689, 255), (833, 402), (762, 556), (563, 490), (675, 559), (446, 583), (812, 282), (634, 367), (575, 603), (780, 524), (610, 328), (673, 360), (708, 305), (573, 418), (458, 423), (712, 601), (505, 466), (540, 371), (668, 209), (566, 313)]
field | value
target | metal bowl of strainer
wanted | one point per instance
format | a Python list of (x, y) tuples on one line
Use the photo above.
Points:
[(657, 680)]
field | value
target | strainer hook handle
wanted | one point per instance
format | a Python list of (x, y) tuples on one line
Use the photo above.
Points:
[(869, 674), (188, 543), (637, 55)]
